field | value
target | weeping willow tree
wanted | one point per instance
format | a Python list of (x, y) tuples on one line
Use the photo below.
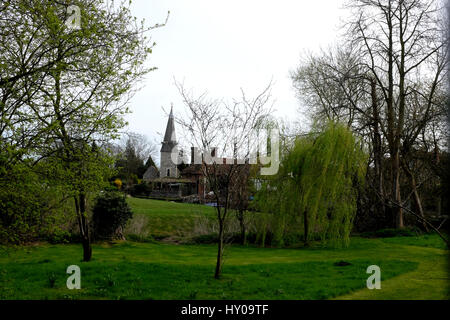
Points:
[(318, 185)]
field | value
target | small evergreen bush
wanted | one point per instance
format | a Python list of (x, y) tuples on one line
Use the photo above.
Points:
[(110, 214)]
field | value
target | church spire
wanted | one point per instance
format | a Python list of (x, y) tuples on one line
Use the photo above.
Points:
[(169, 148), (169, 137), (171, 111)]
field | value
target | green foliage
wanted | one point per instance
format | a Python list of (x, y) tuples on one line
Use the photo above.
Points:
[(110, 215), (62, 102), (20, 205), (149, 163), (32, 207), (141, 189), (140, 238), (390, 232), (130, 166), (319, 177), (62, 236), (84, 168)]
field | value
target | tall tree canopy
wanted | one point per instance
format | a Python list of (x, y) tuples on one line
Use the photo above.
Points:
[(387, 81), (318, 181), (64, 90)]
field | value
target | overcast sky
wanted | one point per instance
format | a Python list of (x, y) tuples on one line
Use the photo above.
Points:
[(222, 46)]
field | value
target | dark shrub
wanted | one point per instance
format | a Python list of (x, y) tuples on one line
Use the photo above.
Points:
[(110, 215), (388, 233), (206, 238), (141, 189), (62, 236), (26, 203), (139, 238)]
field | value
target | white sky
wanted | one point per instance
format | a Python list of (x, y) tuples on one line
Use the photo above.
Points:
[(222, 46)]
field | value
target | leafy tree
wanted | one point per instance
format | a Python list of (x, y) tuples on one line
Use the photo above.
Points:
[(318, 181), (69, 101), (131, 164), (149, 163), (22, 202), (33, 205), (134, 158)]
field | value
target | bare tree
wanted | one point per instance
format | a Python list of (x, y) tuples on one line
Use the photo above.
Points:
[(398, 41), (239, 197), (143, 147), (222, 132), (385, 82)]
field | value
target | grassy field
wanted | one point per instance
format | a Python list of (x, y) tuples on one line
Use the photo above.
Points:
[(167, 218), (411, 268)]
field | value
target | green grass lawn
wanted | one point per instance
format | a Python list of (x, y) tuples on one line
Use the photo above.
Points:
[(168, 218), (411, 267), (130, 270)]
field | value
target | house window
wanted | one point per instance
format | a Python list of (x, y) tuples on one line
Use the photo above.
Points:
[(168, 172)]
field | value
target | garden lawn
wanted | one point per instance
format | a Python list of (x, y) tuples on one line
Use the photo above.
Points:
[(168, 218), (129, 270)]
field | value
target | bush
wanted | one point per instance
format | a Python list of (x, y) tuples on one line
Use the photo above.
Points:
[(63, 237), (118, 183), (252, 238), (389, 233), (206, 239), (25, 202), (140, 238), (141, 189), (110, 215)]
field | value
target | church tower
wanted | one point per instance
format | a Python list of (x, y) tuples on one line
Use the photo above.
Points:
[(169, 146)]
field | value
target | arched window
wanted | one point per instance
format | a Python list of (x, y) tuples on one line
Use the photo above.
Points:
[(168, 172)]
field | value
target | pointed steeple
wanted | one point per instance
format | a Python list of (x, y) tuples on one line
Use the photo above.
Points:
[(170, 139)]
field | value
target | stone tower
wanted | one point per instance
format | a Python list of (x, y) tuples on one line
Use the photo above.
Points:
[(169, 146)]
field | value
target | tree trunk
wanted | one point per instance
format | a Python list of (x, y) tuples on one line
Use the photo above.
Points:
[(305, 223), (398, 211), (219, 252), (377, 149), (437, 161), (392, 129), (439, 205), (401, 114), (419, 204), (87, 249), (242, 225), (416, 195), (80, 205)]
